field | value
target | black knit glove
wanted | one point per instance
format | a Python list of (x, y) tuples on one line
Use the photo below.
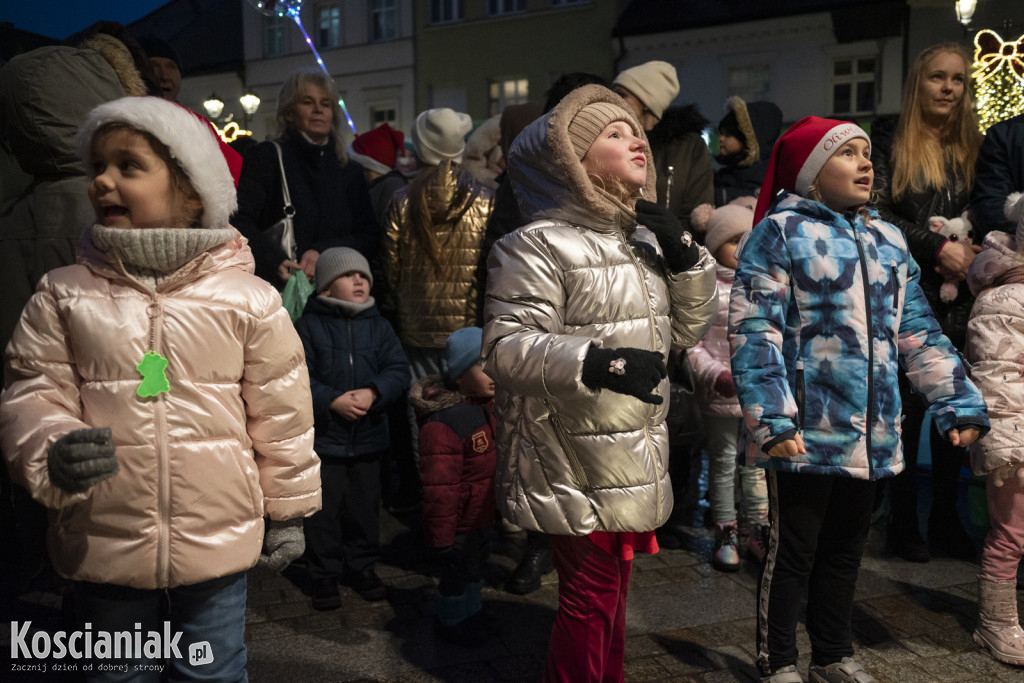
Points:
[(635, 372), (81, 459), (681, 252)]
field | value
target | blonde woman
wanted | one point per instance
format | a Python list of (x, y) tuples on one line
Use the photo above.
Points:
[(331, 202), (924, 167)]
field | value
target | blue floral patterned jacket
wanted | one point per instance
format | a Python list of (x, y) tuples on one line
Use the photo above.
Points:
[(822, 309)]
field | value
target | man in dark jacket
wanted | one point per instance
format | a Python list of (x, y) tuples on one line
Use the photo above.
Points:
[(356, 368), (999, 173)]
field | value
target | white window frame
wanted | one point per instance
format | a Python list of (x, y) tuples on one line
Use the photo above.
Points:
[(502, 92), (381, 9), (275, 36), (446, 11), (328, 26), (855, 79)]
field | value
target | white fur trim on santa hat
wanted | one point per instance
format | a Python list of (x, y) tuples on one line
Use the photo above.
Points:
[(369, 163), (190, 140), (831, 141)]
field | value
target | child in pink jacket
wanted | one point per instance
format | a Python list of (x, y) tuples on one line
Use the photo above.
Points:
[(995, 346), (157, 400)]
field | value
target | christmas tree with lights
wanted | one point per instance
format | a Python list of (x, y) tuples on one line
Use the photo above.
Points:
[(998, 73)]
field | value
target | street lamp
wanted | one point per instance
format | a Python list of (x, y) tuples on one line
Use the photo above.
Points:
[(250, 103), (965, 11), (213, 106)]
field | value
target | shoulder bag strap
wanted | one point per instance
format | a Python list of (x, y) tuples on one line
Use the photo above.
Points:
[(289, 210)]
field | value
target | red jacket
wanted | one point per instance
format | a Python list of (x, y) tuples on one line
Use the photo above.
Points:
[(457, 461)]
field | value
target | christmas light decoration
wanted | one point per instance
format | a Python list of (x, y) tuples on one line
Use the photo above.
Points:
[(291, 9), (998, 77)]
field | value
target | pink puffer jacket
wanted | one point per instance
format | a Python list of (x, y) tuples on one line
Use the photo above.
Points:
[(710, 357), (201, 464), (995, 348)]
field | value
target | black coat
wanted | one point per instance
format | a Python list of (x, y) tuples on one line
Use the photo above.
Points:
[(345, 353), (910, 213), (332, 203), (1000, 173), (677, 142)]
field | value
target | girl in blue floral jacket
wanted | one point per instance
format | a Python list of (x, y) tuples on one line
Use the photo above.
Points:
[(825, 303)]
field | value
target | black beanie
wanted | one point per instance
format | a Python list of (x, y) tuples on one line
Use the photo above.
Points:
[(158, 47)]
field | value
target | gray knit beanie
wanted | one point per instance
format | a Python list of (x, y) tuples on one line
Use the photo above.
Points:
[(337, 261), (590, 121), (440, 134), (653, 83)]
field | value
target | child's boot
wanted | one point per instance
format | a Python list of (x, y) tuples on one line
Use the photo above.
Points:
[(998, 630), (727, 554), (757, 539)]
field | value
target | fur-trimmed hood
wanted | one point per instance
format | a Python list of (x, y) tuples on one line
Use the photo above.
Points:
[(429, 395), (760, 123), (548, 179)]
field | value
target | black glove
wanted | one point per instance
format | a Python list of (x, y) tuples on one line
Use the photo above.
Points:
[(81, 459), (641, 372), (681, 252)]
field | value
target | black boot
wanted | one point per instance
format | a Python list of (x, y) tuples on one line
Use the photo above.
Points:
[(526, 577)]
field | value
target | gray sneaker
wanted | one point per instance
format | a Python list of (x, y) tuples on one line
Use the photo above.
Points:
[(787, 674), (844, 671)]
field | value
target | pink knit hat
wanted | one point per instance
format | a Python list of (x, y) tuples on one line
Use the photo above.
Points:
[(799, 156)]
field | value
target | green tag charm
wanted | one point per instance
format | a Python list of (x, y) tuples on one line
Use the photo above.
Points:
[(154, 381)]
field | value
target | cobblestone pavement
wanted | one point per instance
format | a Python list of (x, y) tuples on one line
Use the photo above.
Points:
[(686, 622)]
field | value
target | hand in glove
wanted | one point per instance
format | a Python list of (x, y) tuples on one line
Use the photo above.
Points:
[(634, 372), (283, 544), (81, 459), (723, 384), (681, 252), (1013, 470)]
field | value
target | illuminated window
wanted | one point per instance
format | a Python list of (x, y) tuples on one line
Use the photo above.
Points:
[(503, 93)]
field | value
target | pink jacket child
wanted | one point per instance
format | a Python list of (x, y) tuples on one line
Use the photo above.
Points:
[(157, 398), (995, 347)]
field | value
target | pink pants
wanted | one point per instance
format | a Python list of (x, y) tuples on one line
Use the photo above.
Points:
[(1004, 542), (588, 639)]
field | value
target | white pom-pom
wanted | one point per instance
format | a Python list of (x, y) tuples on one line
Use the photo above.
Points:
[(1014, 207)]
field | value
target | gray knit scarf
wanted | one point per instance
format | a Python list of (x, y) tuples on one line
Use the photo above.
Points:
[(351, 308), (152, 255)]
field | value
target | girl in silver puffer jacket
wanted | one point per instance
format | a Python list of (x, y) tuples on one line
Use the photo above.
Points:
[(581, 308)]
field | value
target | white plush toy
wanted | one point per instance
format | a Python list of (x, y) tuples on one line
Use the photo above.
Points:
[(956, 230)]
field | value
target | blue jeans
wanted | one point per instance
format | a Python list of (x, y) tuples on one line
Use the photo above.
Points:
[(212, 612)]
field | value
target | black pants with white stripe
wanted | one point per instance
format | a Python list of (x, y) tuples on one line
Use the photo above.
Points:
[(819, 524)]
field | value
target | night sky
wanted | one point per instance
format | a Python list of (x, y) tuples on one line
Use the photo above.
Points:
[(61, 18)]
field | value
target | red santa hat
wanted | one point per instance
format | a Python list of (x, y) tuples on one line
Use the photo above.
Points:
[(799, 156), (378, 149)]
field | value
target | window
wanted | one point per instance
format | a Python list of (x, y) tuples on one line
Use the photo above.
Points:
[(275, 36), (383, 22), (384, 112), (750, 83), (563, 3), (497, 7), (444, 11), (503, 93), (328, 27), (853, 85)]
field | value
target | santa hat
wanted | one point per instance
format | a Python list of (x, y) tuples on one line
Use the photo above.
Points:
[(378, 149), (799, 156), (193, 145)]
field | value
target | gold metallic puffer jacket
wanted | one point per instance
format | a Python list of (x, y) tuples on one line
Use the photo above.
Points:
[(432, 303), (572, 460), (200, 465)]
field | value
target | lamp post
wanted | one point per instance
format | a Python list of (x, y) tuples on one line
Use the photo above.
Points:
[(214, 106), (250, 103), (965, 11)]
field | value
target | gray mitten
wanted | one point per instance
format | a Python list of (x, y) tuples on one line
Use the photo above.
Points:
[(283, 544), (81, 459)]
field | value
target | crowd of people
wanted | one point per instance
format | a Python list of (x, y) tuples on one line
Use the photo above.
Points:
[(490, 339)]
